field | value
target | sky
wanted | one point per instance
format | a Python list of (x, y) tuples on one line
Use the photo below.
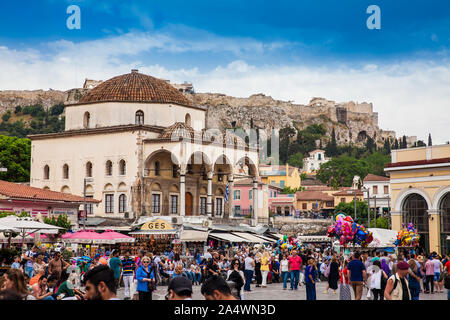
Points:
[(290, 50)]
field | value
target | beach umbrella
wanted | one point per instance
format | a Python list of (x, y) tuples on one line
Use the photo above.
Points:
[(82, 236)]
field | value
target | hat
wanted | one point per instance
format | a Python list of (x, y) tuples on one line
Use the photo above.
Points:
[(180, 284), (403, 265)]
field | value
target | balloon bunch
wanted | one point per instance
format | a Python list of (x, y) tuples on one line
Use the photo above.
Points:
[(290, 243), (407, 237), (346, 230)]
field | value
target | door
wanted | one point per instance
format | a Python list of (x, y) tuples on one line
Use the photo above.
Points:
[(188, 204)]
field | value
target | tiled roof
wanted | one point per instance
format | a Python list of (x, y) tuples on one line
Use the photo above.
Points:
[(417, 162), (318, 188), (343, 192), (313, 195), (21, 191), (373, 177), (135, 87)]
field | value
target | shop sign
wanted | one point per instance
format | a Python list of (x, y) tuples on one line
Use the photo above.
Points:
[(157, 225)]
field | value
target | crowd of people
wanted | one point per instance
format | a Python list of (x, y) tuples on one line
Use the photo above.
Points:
[(225, 274)]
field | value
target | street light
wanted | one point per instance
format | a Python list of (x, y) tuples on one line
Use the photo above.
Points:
[(354, 199), (368, 204)]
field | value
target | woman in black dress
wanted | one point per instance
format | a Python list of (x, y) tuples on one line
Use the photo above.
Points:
[(333, 277)]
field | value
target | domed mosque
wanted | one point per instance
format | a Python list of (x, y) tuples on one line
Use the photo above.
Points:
[(141, 146)]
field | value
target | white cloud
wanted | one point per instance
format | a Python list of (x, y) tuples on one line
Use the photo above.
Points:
[(412, 98)]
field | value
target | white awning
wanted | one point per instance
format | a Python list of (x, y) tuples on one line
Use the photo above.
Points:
[(194, 236), (227, 237), (253, 238), (265, 238)]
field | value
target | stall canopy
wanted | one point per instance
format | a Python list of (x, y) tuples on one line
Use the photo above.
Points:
[(252, 238), (382, 238), (114, 237), (157, 226), (227, 237), (84, 236), (194, 236)]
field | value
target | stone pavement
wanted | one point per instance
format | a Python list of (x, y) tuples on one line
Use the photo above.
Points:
[(275, 291)]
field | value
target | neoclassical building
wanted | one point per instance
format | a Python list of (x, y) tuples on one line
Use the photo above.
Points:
[(142, 147), (420, 193)]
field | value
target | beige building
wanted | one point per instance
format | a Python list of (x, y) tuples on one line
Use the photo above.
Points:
[(420, 193), (143, 149)]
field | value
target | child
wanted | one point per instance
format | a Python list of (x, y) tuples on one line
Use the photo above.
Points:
[(16, 263)]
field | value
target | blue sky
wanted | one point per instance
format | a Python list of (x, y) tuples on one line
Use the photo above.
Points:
[(291, 50)]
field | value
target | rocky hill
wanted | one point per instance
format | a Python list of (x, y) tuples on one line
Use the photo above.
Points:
[(352, 121)]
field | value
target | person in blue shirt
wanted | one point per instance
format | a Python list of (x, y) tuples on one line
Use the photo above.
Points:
[(414, 278), (357, 275), (16, 263), (310, 280), (145, 276)]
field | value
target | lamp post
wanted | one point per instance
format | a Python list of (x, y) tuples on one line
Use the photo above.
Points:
[(368, 205)]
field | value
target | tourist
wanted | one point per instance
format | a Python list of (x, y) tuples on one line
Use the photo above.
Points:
[(35, 279), (57, 265), (216, 288), (397, 286), (438, 268), (429, 275), (357, 275), (414, 278), (333, 276), (100, 284), (39, 263), (28, 258), (180, 288), (275, 269), (235, 279), (64, 288), (41, 290), (284, 270), (14, 284), (344, 290), (116, 265), (264, 268), (258, 273), (295, 266), (249, 268), (145, 277), (378, 280), (310, 280), (196, 273), (212, 266), (128, 267), (16, 263)]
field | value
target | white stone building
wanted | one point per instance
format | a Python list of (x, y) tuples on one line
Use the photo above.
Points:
[(144, 150), (379, 192), (313, 162)]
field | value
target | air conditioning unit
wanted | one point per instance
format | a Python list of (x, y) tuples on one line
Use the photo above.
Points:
[(177, 220), (207, 224)]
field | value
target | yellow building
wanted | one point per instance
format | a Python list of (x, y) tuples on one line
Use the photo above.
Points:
[(280, 175), (347, 195), (314, 201), (420, 193)]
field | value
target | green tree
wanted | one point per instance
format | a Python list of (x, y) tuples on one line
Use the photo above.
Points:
[(420, 143), (331, 149), (339, 171), (404, 144), (430, 142), (387, 146), (303, 176), (286, 135), (62, 221), (6, 116), (57, 109), (296, 160), (15, 155), (349, 209), (395, 144), (18, 109), (377, 162)]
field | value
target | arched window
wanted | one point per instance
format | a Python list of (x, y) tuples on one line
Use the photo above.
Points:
[(122, 167), (122, 203), (86, 119), (65, 171), (89, 169), (157, 169), (139, 117), (109, 168), (187, 119), (46, 172)]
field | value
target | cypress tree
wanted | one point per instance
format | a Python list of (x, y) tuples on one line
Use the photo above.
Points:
[(430, 143), (404, 144), (396, 144)]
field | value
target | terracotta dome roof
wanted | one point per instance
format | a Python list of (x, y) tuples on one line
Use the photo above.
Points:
[(135, 87)]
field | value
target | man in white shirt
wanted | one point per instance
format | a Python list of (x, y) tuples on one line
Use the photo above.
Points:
[(249, 269)]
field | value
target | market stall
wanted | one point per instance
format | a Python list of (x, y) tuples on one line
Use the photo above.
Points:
[(156, 236)]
